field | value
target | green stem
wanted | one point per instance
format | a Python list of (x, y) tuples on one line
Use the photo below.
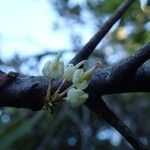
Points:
[(48, 94), (64, 92), (59, 88), (80, 63)]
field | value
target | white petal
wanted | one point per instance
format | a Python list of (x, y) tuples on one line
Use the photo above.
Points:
[(76, 97)]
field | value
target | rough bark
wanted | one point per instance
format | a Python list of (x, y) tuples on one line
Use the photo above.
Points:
[(127, 76)]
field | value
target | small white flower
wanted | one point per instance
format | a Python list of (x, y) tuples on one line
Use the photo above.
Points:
[(78, 79), (45, 69), (54, 69), (70, 69), (76, 97), (81, 79)]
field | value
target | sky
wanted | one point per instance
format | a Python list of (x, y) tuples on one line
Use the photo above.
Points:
[(26, 28)]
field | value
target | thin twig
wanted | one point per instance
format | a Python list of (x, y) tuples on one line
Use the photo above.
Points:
[(127, 68), (98, 106), (94, 41)]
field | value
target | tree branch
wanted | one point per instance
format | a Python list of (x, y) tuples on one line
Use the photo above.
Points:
[(24, 92), (29, 91), (126, 76), (98, 106), (127, 68), (86, 51)]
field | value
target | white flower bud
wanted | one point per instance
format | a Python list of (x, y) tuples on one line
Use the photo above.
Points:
[(54, 69), (76, 97), (45, 69), (70, 69), (81, 79), (78, 81)]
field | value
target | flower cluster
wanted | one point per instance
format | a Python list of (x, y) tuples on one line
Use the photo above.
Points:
[(80, 79)]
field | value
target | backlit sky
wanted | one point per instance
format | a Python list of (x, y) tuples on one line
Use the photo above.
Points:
[(26, 28)]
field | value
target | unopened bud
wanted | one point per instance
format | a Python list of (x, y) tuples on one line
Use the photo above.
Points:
[(76, 97)]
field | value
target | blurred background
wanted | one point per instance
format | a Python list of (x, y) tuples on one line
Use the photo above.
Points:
[(32, 32)]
